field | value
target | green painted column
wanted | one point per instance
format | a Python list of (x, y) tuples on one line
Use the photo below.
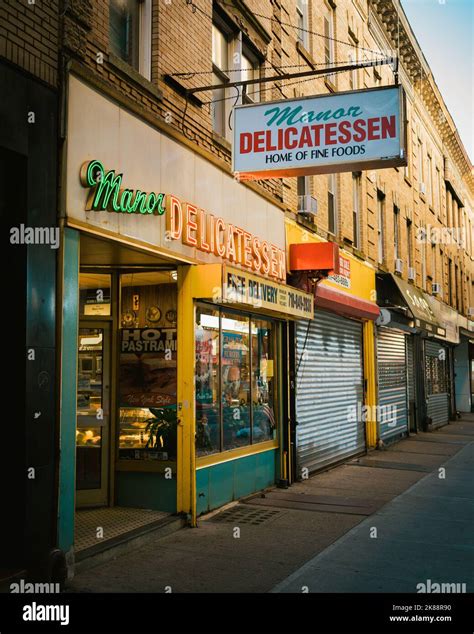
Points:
[(69, 302)]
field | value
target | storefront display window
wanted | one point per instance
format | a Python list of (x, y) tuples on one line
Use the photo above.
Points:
[(90, 408), (148, 366), (235, 368), (235, 380)]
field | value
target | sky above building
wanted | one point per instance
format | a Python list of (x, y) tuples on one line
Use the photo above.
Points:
[(445, 31)]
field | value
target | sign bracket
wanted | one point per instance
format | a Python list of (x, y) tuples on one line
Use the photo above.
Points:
[(285, 76)]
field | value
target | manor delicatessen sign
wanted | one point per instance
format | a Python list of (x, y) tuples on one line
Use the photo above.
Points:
[(363, 129)]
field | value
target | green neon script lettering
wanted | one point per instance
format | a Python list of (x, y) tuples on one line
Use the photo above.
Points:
[(106, 193)]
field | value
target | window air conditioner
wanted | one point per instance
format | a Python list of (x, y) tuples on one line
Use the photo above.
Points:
[(422, 188), (435, 288), (398, 265), (307, 206), (470, 311), (411, 273)]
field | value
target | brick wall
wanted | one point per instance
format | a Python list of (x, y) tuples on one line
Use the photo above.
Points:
[(182, 42), (29, 36)]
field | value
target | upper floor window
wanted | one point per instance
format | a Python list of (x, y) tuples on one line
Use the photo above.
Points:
[(356, 191), (220, 65), (409, 243), (332, 204), (302, 15), (353, 77), (421, 171), (429, 179), (396, 231), (329, 50), (250, 69), (130, 33), (380, 227)]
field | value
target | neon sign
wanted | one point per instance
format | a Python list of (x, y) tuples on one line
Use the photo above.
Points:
[(204, 231), (106, 193)]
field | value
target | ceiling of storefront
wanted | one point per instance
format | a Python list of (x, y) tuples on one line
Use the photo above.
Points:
[(100, 252)]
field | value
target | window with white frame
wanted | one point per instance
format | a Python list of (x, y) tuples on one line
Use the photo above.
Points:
[(437, 191), (220, 66), (130, 33), (409, 243), (332, 204), (250, 69), (302, 7), (429, 179), (421, 171), (329, 50), (353, 75), (396, 231), (380, 226), (356, 195)]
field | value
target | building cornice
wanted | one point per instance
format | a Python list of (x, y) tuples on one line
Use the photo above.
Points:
[(392, 18)]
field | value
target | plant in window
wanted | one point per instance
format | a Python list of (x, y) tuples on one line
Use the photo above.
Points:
[(162, 429)]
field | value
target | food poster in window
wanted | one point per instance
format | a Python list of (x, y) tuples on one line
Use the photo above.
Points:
[(147, 393)]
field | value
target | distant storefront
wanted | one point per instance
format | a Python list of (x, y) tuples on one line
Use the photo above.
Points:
[(412, 336), (334, 355)]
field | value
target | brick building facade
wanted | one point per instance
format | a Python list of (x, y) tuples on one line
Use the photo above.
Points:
[(435, 190), (132, 61)]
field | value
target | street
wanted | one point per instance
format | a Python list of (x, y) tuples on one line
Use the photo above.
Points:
[(385, 522)]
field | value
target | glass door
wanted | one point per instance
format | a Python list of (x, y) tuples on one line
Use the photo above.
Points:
[(93, 414)]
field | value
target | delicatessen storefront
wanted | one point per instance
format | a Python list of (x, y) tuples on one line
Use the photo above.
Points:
[(175, 312)]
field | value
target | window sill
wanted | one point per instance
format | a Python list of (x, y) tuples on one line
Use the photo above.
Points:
[(305, 54), (131, 74), (359, 254), (222, 141), (233, 454)]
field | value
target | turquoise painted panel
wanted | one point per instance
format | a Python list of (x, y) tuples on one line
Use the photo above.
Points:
[(221, 484), (245, 476), (69, 334), (266, 469), (202, 491), (146, 491)]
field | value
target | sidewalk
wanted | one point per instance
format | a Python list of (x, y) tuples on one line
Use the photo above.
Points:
[(316, 533)]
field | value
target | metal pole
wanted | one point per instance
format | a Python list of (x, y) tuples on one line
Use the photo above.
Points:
[(306, 73)]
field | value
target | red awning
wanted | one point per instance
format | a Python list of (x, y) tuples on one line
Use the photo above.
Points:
[(344, 304)]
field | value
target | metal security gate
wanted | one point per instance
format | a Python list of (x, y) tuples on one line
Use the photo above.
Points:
[(411, 383), (437, 383), (392, 415), (329, 391)]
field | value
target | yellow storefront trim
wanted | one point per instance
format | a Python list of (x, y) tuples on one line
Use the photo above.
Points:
[(232, 454), (371, 386)]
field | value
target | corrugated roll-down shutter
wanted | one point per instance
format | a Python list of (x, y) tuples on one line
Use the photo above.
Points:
[(411, 385), (437, 383), (392, 411), (329, 391), (438, 409)]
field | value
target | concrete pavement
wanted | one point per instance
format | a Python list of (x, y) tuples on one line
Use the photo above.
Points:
[(317, 532), (424, 534)]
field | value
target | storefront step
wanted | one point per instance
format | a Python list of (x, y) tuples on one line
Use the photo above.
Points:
[(131, 540)]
